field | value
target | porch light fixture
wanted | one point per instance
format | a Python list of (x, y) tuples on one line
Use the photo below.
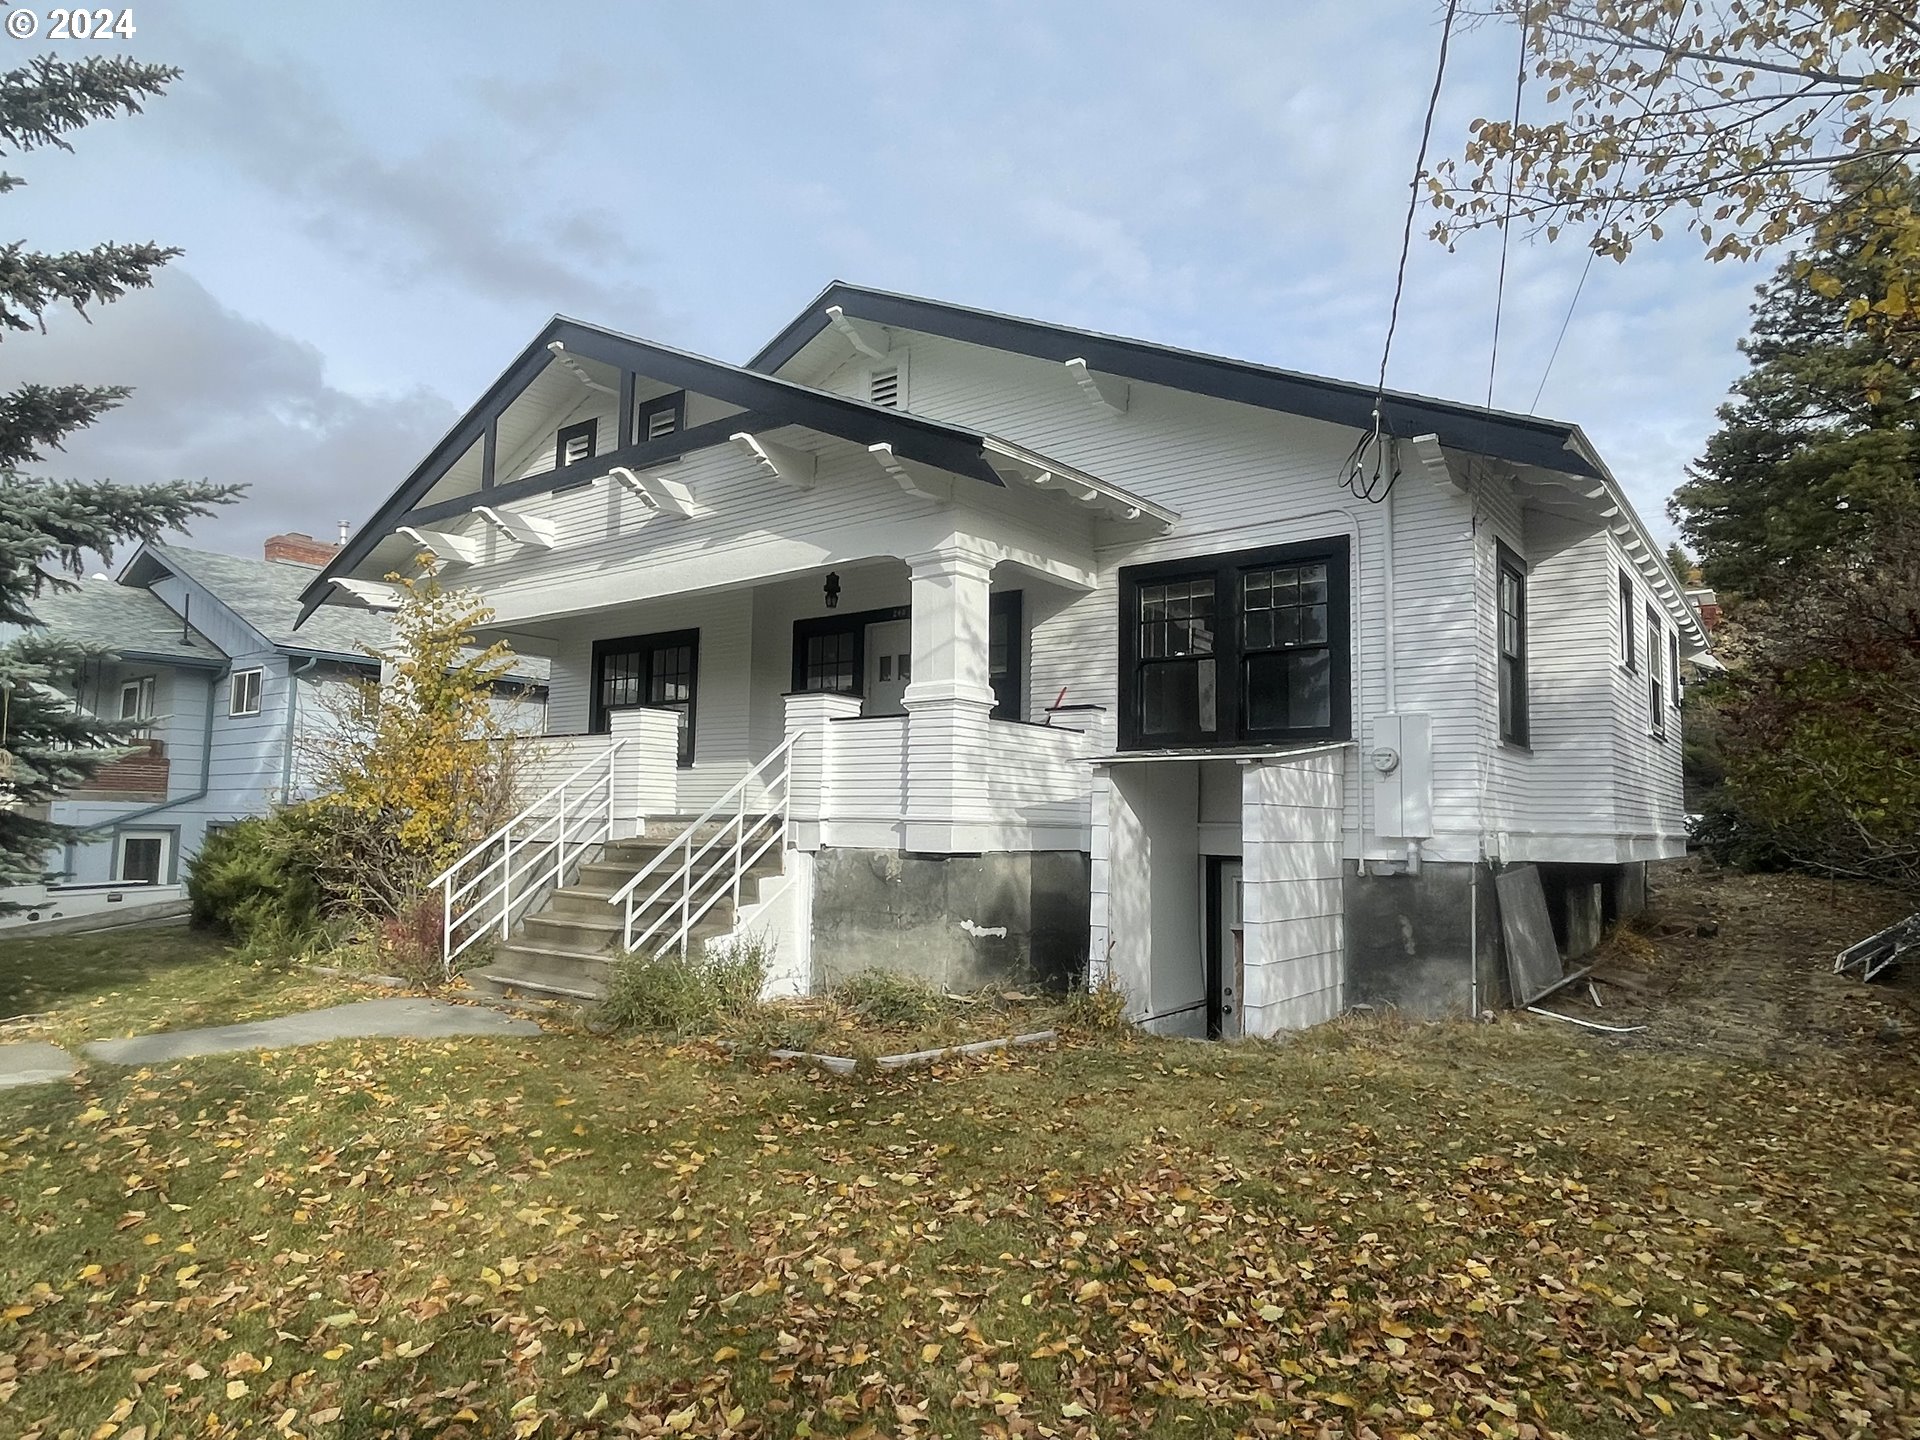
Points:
[(832, 591)]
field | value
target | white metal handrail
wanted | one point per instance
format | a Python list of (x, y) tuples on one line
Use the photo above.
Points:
[(741, 839), (575, 813)]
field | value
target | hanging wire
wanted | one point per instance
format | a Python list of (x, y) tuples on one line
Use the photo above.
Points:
[(1565, 320), (1506, 221), (1374, 464)]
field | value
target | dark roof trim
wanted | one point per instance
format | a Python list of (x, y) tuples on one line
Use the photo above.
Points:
[(150, 562), (769, 399), (1521, 439), (182, 662)]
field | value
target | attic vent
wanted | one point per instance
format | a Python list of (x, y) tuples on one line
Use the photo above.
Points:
[(883, 387), (660, 424), (575, 443)]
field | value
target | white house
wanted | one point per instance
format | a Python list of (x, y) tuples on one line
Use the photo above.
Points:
[(1044, 652)]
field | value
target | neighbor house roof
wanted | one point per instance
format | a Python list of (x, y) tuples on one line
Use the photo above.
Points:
[(133, 623)]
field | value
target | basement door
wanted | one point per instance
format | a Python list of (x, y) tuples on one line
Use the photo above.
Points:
[(1225, 941)]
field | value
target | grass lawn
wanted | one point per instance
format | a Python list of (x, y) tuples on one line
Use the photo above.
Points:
[(1378, 1229), (74, 988)]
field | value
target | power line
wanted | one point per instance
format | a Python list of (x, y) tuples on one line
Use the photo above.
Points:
[(1506, 221), (1565, 320), (1377, 486)]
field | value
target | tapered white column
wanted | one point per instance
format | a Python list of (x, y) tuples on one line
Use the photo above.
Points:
[(948, 701)]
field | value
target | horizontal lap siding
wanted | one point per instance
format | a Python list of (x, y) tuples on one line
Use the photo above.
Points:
[(1239, 477), (1648, 800), (867, 778), (1510, 770), (1572, 663)]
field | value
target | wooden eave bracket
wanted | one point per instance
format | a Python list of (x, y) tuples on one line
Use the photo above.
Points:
[(1433, 461), (528, 530), (658, 493), (870, 340), (374, 594), (446, 547), (1106, 391), (1106, 503), (797, 468), (578, 371), (912, 478)]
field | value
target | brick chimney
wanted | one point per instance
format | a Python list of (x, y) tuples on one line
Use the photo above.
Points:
[(300, 548)]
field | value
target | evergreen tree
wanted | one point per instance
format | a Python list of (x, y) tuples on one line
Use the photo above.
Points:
[(47, 527), (1820, 448)]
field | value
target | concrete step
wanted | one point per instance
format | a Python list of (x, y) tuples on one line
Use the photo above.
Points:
[(536, 985), (606, 877), (574, 931)]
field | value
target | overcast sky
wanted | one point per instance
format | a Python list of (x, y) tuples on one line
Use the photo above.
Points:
[(380, 205)]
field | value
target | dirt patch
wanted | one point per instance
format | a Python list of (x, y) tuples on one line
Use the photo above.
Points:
[(1742, 966)]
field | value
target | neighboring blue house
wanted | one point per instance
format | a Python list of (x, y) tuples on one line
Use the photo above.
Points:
[(206, 655)]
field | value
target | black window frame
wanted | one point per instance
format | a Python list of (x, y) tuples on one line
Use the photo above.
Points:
[(853, 623), (1656, 657), (1009, 684), (1629, 641), (1229, 653), (1673, 668), (601, 717), (566, 434), (645, 410), (1512, 667)]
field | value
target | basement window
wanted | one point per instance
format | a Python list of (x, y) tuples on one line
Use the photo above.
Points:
[(575, 443)]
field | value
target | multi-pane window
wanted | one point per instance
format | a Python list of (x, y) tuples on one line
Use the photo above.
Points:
[(1673, 667), (659, 672), (831, 661), (1656, 697), (1513, 647), (1236, 649), (1286, 650), (575, 443), (1629, 647), (1177, 676)]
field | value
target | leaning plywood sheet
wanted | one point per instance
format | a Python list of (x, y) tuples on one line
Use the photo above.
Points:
[(1533, 958)]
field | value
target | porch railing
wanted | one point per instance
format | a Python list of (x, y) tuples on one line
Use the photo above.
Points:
[(689, 877), (485, 888)]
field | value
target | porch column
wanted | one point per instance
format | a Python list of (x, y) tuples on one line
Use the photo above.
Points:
[(810, 716), (647, 772), (948, 701)]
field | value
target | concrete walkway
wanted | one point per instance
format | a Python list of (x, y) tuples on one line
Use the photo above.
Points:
[(401, 1019), (33, 1062)]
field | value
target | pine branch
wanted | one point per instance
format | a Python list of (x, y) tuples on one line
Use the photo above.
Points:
[(34, 418), (31, 282), (48, 98)]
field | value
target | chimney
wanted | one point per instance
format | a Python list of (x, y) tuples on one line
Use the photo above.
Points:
[(299, 548)]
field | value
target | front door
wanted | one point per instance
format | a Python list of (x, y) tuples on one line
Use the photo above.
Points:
[(889, 648), (1226, 967)]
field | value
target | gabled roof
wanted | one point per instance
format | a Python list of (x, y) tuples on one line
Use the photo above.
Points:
[(132, 623), (769, 400), (263, 595), (1523, 439)]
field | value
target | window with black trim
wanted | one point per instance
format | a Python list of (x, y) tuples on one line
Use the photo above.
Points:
[(830, 661), (1236, 649), (1629, 645), (1673, 666), (1513, 646), (1656, 697), (243, 693), (660, 417), (655, 672), (1006, 654), (575, 443)]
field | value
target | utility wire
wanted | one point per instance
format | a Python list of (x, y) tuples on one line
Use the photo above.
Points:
[(1506, 221), (1376, 486), (1565, 320)]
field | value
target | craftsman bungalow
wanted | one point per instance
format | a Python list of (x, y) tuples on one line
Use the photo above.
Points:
[(942, 639)]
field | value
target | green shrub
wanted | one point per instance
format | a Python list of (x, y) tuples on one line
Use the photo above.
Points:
[(687, 995), (250, 881), (883, 997)]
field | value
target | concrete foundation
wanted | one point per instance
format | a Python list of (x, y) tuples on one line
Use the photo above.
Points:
[(956, 921), (1414, 942), (1629, 890), (1585, 905)]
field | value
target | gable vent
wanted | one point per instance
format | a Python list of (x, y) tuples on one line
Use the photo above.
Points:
[(883, 387), (660, 424)]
